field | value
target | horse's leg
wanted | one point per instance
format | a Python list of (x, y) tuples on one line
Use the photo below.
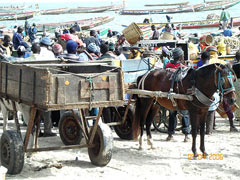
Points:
[(202, 134), (152, 112), (145, 107), (195, 124)]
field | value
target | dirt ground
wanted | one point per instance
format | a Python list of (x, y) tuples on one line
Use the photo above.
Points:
[(169, 160)]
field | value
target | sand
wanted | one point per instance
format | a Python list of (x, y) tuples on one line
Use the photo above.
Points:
[(169, 160)]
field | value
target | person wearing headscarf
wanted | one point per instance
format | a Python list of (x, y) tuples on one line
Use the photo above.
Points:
[(165, 56), (93, 50), (178, 61), (57, 49)]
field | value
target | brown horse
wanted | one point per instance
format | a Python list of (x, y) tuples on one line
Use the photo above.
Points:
[(203, 82)]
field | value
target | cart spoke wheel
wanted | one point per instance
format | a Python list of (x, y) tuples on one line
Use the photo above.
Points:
[(12, 152), (124, 131), (101, 153), (69, 130)]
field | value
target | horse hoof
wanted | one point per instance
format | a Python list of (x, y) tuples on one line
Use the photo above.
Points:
[(140, 148), (205, 155), (169, 138), (186, 139), (233, 129)]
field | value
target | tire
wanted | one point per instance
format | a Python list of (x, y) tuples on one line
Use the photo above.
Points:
[(160, 122), (124, 131), (69, 130), (12, 152), (101, 153)]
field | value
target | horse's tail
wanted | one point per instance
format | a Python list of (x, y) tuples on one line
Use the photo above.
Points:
[(136, 119)]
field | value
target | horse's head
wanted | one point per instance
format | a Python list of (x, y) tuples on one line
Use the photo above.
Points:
[(224, 82)]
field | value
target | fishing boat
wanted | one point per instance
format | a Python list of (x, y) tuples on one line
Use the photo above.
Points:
[(210, 23), (188, 8), (17, 16), (84, 23), (89, 9), (54, 11), (219, 5), (2, 26), (170, 4)]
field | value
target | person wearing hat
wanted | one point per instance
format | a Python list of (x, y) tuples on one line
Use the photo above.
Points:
[(32, 31), (213, 55), (178, 61), (46, 52), (156, 34), (71, 48)]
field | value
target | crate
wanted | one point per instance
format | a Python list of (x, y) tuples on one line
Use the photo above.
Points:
[(66, 86), (132, 33)]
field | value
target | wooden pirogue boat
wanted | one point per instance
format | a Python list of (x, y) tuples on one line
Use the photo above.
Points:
[(17, 16), (195, 24), (170, 4), (187, 8), (81, 10), (84, 23)]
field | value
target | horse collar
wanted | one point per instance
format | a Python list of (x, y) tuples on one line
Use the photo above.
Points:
[(202, 97)]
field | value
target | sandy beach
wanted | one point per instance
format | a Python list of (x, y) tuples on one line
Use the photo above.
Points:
[(169, 160)]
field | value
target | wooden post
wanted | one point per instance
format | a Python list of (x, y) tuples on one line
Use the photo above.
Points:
[(126, 111), (83, 130), (84, 121), (95, 126), (38, 128), (29, 127)]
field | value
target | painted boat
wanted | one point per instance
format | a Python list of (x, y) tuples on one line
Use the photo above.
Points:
[(219, 5), (54, 11), (18, 16), (189, 8), (195, 24), (170, 4), (84, 23), (89, 9)]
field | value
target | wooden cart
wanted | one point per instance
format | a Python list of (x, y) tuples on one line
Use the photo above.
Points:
[(60, 87)]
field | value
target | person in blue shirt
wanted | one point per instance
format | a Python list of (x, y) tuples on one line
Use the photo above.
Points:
[(32, 31), (227, 32), (205, 57), (18, 38)]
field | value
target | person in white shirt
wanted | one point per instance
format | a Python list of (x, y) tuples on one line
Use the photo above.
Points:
[(45, 44)]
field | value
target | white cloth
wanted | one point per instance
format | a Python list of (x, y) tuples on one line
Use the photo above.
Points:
[(46, 54), (215, 104), (121, 57)]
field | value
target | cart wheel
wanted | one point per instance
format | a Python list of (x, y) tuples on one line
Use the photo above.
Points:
[(12, 152), (160, 122), (124, 131), (101, 153), (69, 130)]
